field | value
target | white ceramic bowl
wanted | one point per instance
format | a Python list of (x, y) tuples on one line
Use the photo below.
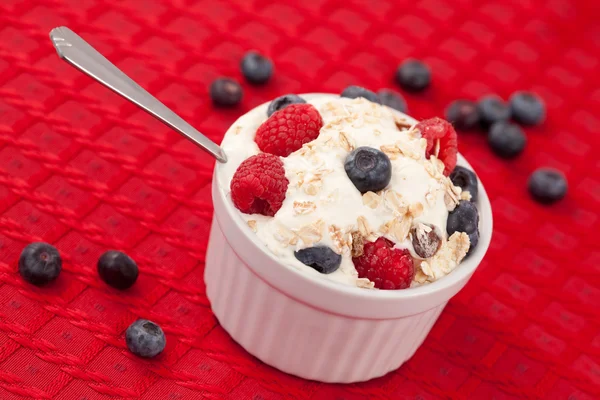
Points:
[(311, 327)]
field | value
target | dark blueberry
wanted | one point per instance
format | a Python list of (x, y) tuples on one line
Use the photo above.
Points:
[(225, 92), (506, 140), (352, 92), (145, 339), (463, 114), (256, 68), (321, 258), (413, 75), (547, 185), (369, 169), (392, 99), (40, 263), (473, 241), (467, 180), (492, 109), (527, 108), (465, 218), (117, 269), (282, 102)]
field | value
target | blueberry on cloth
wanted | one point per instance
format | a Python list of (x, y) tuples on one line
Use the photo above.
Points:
[(117, 269), (506, 140), (547, 185), (40, 263), (463, 114), (352, 92), (527, 108), (392, 99), (413, 75), (282, 102), (369, 169), (145, 339), (464, 218), (466, 180), (256, 68), (492, 109), (321, 258), (225, 92)]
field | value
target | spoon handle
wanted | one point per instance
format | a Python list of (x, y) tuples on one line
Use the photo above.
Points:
[(77, 52)]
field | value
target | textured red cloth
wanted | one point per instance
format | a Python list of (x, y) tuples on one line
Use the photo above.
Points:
[(86, 171)]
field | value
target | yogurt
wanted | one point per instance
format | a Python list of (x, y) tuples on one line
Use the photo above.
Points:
[(323, 207)]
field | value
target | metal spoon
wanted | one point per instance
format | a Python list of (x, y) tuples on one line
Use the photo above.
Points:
[(77, 52)]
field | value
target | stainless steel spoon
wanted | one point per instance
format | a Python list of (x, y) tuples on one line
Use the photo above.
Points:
[(77, 52)]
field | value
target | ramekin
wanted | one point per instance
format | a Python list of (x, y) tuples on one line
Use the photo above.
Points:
[(312, 327)]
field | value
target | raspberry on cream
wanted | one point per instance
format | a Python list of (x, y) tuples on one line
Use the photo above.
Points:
[(323, 207)]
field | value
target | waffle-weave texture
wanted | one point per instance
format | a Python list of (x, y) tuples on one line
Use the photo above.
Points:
[(86, 171)]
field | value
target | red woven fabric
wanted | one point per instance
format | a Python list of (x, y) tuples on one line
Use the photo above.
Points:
[(86, 171)]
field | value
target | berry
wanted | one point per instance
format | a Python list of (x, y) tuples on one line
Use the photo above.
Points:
[(463, 114), (256, 68), (506, 140), (259, 184), (287, 130), (464, 218), (321, 258), (467, 180), (434, 130), (547, 185), (117, 269), (282, 102), (40, 263), (425, 240), (392, 99), (491, 110), (527, 108), (225, 92), (145, 339), (369, 169), (352, 92), (387, 267), (413, 75)]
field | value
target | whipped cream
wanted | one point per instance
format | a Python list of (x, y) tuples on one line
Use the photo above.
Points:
[(322, 206)]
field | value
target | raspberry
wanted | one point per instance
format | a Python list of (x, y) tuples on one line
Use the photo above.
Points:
[(259, 185), (288, 129), (387, 267), (435, 129)]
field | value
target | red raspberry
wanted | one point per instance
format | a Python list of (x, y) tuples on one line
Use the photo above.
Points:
[(435, 129), (288, 129), (259, 185), (387, 267)]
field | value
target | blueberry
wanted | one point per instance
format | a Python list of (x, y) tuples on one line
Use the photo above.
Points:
[(117, 269), (225, 92), (506, 140), (465, 218), (547, 185), (463, 114), (282, 102), (352, 92), (321, 258), (392, 99), (491, 110), (145, 339), (527, 108), (256, 68), (413, 75), (40, 263), (369, 169), (467, 180)]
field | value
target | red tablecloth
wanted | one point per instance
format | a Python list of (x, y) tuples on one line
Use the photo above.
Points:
[(86, 171)]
